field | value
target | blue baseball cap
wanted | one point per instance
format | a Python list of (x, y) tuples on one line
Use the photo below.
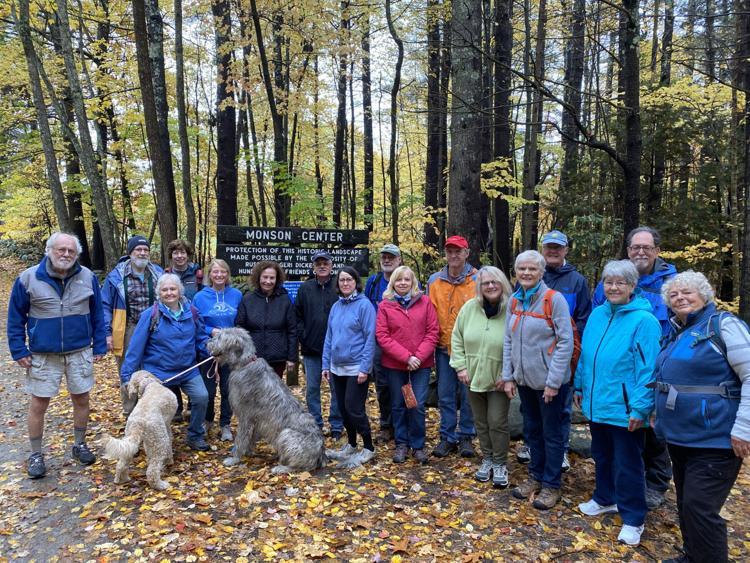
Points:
[(555, 237)]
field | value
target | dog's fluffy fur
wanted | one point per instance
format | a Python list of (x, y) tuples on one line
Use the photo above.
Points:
[(149, 422), (265, 407)]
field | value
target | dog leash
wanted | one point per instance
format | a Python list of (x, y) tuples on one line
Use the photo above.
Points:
[(183, 372)]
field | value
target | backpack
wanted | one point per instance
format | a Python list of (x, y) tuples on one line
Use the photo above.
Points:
[(547, 316), (156, 316), (713, 332)]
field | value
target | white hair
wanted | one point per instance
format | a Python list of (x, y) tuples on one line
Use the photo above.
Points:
[(53, 239), (530, 256), (621, 269), (174, 278), (691, 280)]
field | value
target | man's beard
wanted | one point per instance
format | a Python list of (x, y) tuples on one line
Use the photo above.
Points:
[(139, 262), (62, 264)]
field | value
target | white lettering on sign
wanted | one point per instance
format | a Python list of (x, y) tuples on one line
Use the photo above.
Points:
[(267, 234), (313, 236)]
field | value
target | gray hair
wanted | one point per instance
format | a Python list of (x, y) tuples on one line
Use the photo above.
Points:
[(690, 280), (492, 273), (174, 278), (53, 239), (621, 269), (650, 230), (530, 256)]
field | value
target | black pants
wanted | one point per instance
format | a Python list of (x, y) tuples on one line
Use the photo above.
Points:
[(352, 397), (382, 390), (657, 463), (225, 409), (703, 478)]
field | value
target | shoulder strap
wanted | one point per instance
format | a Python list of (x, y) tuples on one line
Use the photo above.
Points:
[(375, 284), (713, 332), (547, 307), (155, 316)]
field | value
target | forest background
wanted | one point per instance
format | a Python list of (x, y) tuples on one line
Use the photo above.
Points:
[(495, 119)]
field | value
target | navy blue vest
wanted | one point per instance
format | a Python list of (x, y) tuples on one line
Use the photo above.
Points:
[(699, 420)]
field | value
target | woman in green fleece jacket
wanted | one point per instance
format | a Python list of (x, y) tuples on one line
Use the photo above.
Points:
[(477, 357)]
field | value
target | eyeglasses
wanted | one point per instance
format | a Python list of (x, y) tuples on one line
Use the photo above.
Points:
[(64, 251), (346, 280), (489, 283), (641, 247), (617, 283)]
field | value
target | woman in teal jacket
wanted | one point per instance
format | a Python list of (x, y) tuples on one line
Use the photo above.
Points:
[(617, 361)]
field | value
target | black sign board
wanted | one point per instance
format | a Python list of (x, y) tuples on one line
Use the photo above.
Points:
[(322, 238), (296, 261)]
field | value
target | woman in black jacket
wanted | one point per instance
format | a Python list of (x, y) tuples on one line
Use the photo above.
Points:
[(266, 312)]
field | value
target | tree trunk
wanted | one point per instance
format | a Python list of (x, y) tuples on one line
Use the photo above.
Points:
[(743, 56), (339, 148), (434, 122), (368, 193), (503, 149), (468, 208), (226, 126), (446, 64), (395, 196), (316, 148), (162, 189), (187, 189), (86, 155), (45, 132)]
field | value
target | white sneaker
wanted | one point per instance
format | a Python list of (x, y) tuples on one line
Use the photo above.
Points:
[(565, 463), (630, 535), (226, 434), (499, 475), (344, 452), (365, 455), (593, 508)]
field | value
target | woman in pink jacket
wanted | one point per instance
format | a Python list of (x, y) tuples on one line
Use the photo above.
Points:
[(407, 332)]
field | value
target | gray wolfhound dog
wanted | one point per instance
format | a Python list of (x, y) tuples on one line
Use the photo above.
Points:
[(148, 423), (265, 407)]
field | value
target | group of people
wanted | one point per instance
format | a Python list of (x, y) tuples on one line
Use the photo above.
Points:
[(661, 375)]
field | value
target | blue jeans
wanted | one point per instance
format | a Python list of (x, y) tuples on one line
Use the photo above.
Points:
[(452, 393), (543, 424), (408, 424), (566, 420), (196, 392), (313, 367), (620, 478)]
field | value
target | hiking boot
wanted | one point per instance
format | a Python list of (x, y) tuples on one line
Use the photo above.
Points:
[(83, 454), (465, 448), (483, 473), (565, 463), (527, 488), (547, 498), (593, 508), (226, 434), (679, 559), (199, 444), (35, 466), (420, 456), (523, 454), (444, 448), (177, 417), (399, 456), (499, 475), (384, 435), (630, 535), (654, 499)]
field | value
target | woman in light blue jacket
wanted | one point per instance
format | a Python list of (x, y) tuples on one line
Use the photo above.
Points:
[(347, 361), (618, 355)]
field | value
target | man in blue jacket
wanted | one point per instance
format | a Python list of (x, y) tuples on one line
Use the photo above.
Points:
[(643, 251), (55, 318)]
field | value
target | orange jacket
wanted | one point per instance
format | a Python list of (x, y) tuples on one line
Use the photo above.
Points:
[(448, 296)]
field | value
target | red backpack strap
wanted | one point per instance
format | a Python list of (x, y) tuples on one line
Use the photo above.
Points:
[(514, 311), (547, 309)]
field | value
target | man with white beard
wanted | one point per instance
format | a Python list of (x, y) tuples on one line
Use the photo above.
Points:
[(56, 327), (128, 290)]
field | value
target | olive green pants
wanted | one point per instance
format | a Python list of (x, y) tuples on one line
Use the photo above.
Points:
[(491, 422)]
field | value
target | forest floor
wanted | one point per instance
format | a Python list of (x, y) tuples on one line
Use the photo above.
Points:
[(380, 512)]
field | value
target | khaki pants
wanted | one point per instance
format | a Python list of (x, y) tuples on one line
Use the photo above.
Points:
[(491, 422)]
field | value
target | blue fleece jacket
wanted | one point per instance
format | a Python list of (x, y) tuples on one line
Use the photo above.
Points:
[(173, 346), (350, 336), (650, 286), (218, 308), (574, 288), (618, 355), (59, 314)]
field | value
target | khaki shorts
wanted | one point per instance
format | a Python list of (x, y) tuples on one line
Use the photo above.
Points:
[(44, 377)]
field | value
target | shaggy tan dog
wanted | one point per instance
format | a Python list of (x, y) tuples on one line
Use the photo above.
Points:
[(148, 423)]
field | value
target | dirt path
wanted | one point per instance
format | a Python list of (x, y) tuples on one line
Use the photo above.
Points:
[(381, 512)]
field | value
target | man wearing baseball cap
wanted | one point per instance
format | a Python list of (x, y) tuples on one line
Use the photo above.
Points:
[(390, 259), (128, 290), (449, 289)]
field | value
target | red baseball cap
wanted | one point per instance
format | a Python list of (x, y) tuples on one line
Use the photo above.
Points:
[(458, 241)]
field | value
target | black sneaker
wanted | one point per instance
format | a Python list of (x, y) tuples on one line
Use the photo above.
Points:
[(35, 466), (177, 417), (465, 448), (83, 454), (444, 448), (199, 445)]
